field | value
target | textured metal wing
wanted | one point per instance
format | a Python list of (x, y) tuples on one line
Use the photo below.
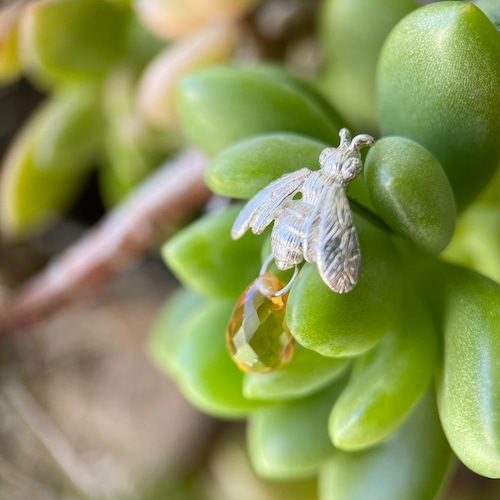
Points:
[(311, 238), (266, 205), (338, 256)]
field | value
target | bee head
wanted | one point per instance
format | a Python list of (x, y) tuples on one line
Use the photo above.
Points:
[(345, 161)]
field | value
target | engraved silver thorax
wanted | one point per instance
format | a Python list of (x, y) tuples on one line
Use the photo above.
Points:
[(312, 216)]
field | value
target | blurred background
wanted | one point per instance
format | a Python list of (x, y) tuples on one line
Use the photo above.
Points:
[(83, 411)]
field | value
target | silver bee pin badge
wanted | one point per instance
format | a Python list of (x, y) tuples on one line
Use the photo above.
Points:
[(312, 216)]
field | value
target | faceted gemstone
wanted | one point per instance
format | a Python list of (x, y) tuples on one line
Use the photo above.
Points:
[(257, 336)]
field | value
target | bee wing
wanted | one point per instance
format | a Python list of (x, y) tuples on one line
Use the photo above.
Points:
[(313, 225), (338, 255), (264, 206)]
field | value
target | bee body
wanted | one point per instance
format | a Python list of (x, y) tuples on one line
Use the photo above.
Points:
[(312, 216)]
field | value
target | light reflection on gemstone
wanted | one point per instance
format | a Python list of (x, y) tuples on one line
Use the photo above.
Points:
[(257, 336)]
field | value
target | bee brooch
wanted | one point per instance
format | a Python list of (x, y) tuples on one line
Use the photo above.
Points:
[(311, 214), (312, 221)]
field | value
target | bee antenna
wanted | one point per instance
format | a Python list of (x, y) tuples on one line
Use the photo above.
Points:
[(360, 141), (345, 137)]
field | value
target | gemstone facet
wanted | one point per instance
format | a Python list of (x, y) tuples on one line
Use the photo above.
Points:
[(257, 336)]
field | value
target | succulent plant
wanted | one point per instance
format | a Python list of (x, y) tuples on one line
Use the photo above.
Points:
[(389, 381), (392, 379)]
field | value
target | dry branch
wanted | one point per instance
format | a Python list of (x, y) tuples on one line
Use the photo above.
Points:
[(170, 197)]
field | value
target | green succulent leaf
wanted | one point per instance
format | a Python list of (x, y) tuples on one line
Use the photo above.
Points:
[(167, 333), (73, 39), (205, 257), (290, 440), (352, 33), (306, 373), (411, 192), (348, 324), (306, 88), (71, 130), (413, 464), (205, 372), (468, 395), (244, 168), (402, 364), (476, 242), (423, 95), (220, 105), (49, 162)]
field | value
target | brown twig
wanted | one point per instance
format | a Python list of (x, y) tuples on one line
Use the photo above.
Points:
[(173, 195)]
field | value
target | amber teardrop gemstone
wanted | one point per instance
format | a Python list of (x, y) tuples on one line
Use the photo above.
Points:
[(257, 336)]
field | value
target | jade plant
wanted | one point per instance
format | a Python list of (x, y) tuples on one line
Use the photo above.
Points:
[(390, 384), (391, 381)]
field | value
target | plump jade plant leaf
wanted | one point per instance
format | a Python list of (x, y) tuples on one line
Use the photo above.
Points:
[(290, 440), (73, 39), (278, 73), (402, 364), (205, 257), (49, 162), (306, 373), (476, 242), (352, 33), (413, 464), (71, 130), (219, 106), (411, 192), (468, 395), (167, 333), (206, 374), (348, 324), (243, 169), (422, 93)]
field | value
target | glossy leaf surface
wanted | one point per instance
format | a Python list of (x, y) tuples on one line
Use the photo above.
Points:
[(468, 385), (290, 440), (411, 192), (351, 323), (423, 95), (220, 106), (413, 464), (387, 381)]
